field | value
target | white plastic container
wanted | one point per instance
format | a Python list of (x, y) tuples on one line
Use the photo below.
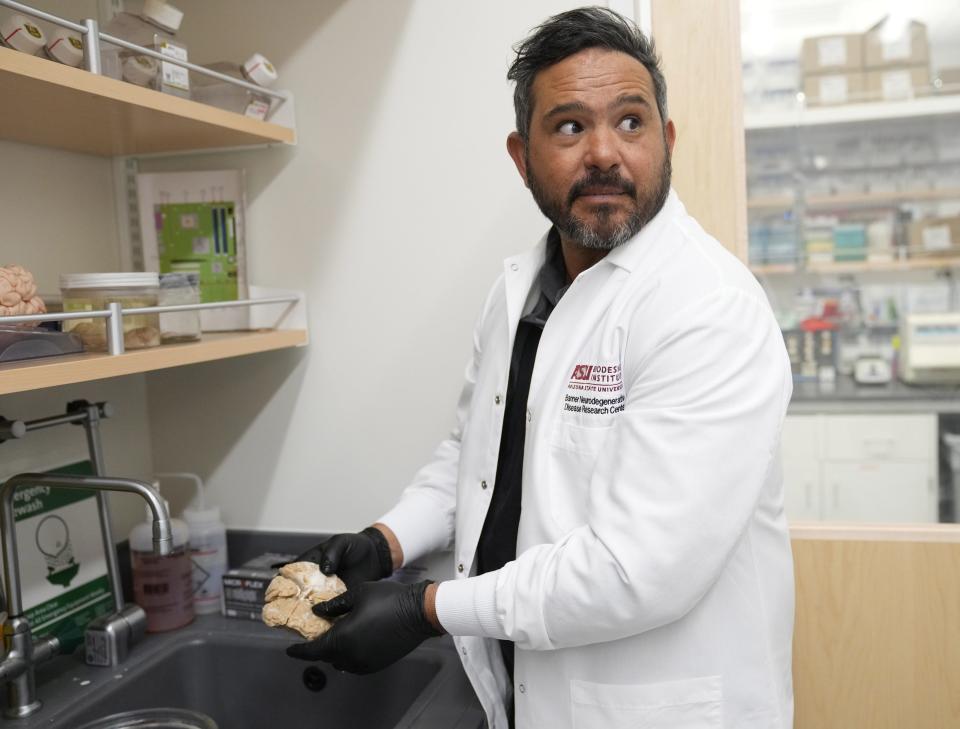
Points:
[(208, 550), (257, 70), (162, 586), (64, 47), (21, 34), (154, 28)]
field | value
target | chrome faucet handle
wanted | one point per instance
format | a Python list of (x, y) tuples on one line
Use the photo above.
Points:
[(22, 655), (109, 638)]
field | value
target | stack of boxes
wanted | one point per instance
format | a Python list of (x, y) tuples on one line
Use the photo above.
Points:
[(854, 67), (833, 69), (897, 69)]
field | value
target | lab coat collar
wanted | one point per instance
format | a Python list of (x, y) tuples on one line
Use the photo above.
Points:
[(635, 252)]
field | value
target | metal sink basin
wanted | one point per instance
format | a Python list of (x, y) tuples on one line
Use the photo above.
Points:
[(238, 674)]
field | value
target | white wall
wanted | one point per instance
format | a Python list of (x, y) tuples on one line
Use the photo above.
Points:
[(394, 213)]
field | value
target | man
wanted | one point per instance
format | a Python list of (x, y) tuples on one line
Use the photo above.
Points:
[(613, 486)]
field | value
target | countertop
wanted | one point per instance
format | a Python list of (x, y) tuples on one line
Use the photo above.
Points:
[(846, 396)]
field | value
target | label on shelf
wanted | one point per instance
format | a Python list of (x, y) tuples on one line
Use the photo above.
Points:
[(937, 238)]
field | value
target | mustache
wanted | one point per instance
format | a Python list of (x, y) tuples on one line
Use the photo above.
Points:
[(610, 179)]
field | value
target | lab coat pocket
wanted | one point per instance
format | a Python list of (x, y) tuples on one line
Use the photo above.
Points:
[(573, 456), (695, 703)]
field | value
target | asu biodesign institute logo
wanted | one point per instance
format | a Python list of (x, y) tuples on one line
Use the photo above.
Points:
[(595, 389), (596, 377)]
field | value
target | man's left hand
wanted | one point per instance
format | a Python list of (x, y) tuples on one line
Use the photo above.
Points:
[(381, 623)]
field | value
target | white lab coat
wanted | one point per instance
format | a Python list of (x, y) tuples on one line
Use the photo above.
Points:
[(654, 580)]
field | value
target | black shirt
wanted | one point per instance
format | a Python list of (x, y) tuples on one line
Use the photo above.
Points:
[(498, 539)]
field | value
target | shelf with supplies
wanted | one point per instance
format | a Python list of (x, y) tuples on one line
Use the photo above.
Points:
[(112, 118), (806, 116), (26, 375), (851, 199), (840, 267)]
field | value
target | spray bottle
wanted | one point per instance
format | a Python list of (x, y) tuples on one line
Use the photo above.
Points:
[(208, 548)]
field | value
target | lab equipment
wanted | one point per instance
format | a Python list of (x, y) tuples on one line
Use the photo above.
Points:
[(872, 370), (95, 291), (162, 584), (177, 289), (154, 28), (20, 34), (930, 349), (257, 69), (159, 718)]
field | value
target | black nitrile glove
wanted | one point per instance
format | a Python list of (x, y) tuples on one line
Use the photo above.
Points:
[(354, 558), (383, 621)]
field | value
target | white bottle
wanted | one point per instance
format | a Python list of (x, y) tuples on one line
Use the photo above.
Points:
[(162, 586), (208, 547), (208, 550)]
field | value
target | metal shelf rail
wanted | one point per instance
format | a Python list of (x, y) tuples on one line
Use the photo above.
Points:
[(92, 37), (114, 315)]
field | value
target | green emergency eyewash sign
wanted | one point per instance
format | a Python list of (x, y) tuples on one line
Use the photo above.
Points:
[(62, 564)]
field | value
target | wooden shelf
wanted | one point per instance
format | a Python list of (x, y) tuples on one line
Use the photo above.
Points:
[(771, 202), (69, 108), (911, 264), (803, 116), (879, 198), (53, 371)]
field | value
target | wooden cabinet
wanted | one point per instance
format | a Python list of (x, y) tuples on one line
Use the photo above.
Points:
[(866, 468)]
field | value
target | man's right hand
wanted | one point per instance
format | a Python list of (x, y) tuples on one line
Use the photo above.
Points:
[(355, 558)]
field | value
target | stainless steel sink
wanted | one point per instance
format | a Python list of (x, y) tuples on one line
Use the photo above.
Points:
[(238, 674)]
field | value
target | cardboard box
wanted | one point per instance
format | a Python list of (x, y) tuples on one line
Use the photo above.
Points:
[(935, 237), (832, 53), (834, 88), (244, 587), (911, 48), (897, 84)]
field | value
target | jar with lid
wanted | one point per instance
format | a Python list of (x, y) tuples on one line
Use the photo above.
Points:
[(177, 289), (155, 27), (256, 70), (20, 34), (64, 46), (95, 291)]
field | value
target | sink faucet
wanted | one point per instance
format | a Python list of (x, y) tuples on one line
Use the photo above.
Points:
[(21, 652)]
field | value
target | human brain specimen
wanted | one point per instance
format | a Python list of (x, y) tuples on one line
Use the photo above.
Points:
[(292, 594), (18, 292)]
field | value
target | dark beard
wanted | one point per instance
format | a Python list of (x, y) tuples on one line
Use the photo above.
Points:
[(578, 230)]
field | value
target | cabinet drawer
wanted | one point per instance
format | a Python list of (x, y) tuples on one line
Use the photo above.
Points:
[(888, 492), (800, 442), (879, 438)]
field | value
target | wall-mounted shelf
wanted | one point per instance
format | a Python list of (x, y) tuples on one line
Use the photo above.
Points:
[(911, 264), (784, 202), (72, 109), (49, 372), (846, 113)]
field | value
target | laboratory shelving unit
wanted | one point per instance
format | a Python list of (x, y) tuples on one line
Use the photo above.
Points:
[(789, 123), (116, 119)]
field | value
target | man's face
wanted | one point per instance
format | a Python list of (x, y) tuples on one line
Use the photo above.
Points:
[(597, 156)]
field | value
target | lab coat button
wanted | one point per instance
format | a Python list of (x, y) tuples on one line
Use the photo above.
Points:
[(483, 484), (497, 399), (523, 689), (529, 416), (464, 650), (514, 267), (460, 567)]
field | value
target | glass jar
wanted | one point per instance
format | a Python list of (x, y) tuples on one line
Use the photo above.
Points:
[(95, 291), (177, 289), (257, 70), (154, 28)]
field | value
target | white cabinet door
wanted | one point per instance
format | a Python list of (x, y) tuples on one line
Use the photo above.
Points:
[(872, 491), (801, 492)]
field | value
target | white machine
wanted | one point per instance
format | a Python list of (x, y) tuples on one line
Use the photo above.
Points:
[(930, 349)]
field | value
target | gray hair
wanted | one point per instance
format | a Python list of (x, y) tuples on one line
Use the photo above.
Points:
[(569, 33)]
